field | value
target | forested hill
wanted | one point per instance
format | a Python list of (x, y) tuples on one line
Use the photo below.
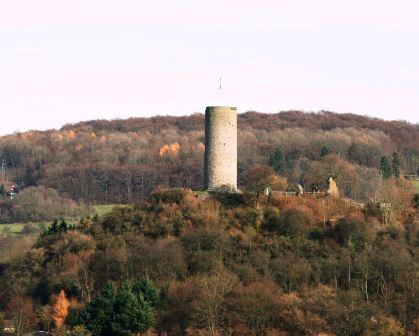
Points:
[(120, 161), (403, 134)]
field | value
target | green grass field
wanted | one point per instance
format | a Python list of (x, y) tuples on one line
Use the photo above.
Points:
[(11, 228), (16, 228), (102, 210), (416, 184)]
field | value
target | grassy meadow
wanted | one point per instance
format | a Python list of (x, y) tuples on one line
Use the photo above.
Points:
[(16, 228)]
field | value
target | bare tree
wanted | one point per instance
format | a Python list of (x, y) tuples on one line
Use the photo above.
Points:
[(20, 311), (209, 307)]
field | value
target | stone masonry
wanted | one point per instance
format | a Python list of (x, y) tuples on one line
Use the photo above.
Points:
[(220, 166)]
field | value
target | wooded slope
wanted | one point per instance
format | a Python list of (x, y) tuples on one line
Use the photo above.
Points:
[(123, 160)]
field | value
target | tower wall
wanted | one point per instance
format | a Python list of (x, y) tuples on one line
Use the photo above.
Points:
[(220, 167)]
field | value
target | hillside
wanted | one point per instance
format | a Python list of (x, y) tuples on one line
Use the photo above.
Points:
[(121, 161), (182, 262), (219, 266)]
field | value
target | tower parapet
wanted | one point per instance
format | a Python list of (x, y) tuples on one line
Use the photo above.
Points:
[(220, 166)]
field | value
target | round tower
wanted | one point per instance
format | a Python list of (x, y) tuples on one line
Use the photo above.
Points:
[(220, 166)]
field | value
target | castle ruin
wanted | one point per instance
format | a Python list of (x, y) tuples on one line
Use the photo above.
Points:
[(220, 166)]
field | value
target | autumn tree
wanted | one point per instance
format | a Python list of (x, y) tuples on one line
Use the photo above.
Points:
[(211, 303), (46, 320), (255, 306), (60, 309), (20, 310), (177, 316), (395, 196), (382, 325), (260, 177)]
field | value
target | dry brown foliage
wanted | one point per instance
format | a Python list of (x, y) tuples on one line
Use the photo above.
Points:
[(60, 309)]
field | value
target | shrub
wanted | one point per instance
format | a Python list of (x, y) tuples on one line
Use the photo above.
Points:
[(271, 219), (292, 222), (30, 228), (168, 196), (350, 232)]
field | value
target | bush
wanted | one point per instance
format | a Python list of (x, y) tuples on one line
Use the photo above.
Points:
[(168, 196), (228, 199), (203, 250), (79, 331), (291, 272), (271, 219), (30, 228), (292, 222), (350, 232)]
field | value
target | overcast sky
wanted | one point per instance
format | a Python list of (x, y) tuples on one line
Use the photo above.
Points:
[(65, 61)]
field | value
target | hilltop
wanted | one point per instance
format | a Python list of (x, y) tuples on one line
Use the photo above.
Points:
[(121, 161)]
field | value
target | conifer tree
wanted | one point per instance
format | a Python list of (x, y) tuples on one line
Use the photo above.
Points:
[(324, 151), (54, 228), (385, 167), (275, 160), (396, 165), (120, 310), (60, 309)]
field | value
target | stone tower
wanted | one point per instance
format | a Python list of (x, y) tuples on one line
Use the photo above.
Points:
[(220, 168)]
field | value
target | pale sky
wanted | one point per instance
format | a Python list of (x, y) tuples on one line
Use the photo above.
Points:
[(66, 61)]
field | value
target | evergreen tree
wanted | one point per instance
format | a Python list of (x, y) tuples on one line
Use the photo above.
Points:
[(416, 201), (289, 162), (58, 227), (324, 150), (119, 311), (54, 228), (149, 291), (275, 160), (2, 189), (99, 311), (385, 167), (131, 313), (396, 165), (63, 227)]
